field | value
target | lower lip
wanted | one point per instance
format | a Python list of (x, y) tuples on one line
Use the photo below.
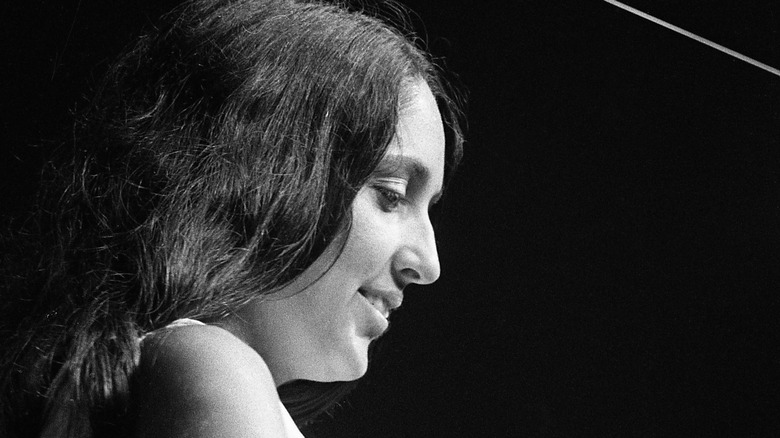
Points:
[(378, 324)]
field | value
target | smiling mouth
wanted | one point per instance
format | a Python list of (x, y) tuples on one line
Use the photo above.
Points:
[(384, 303)]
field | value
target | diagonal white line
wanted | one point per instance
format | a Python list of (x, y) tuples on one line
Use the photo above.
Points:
[(693, 36)]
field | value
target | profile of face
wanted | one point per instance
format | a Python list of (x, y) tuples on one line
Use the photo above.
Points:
[(319, 327)]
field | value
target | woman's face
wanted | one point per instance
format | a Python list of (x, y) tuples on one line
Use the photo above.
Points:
[(322, 325)]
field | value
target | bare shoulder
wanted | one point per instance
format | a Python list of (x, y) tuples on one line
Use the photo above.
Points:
[(203, 381)]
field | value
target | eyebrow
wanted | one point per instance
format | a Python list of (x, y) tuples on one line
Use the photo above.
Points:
[(415, 168)]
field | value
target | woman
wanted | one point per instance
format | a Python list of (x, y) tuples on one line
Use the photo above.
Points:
[(245, 201)]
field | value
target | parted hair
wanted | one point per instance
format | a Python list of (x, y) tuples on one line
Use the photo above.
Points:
[(217, 159)]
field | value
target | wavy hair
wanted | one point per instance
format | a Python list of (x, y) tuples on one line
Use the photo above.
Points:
[(217, 160)]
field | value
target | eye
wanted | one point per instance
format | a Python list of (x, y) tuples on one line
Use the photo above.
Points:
[(388, 199)]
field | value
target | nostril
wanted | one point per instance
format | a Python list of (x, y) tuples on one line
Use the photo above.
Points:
[(411, 275)]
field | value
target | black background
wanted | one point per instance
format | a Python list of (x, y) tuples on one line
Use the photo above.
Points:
[(609, 247)]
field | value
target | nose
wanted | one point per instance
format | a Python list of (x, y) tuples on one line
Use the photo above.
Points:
[(417, 260)]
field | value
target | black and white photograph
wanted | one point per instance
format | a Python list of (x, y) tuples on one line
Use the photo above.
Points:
[(390, 219)]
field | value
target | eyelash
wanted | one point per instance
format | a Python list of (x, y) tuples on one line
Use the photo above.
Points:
[(391, 199)]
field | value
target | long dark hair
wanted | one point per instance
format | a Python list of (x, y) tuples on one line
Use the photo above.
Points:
[(218, 159)]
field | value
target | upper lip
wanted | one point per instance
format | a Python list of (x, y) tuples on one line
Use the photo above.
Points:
[(388, 299)]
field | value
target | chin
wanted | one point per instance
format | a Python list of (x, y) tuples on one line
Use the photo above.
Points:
[(350, 365), (355, 373)]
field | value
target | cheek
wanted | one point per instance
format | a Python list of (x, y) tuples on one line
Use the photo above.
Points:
[(371, 239)]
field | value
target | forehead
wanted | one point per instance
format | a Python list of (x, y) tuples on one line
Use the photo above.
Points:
[(419, 141)]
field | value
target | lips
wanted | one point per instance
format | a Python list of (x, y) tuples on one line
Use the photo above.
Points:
[(382, 300)]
